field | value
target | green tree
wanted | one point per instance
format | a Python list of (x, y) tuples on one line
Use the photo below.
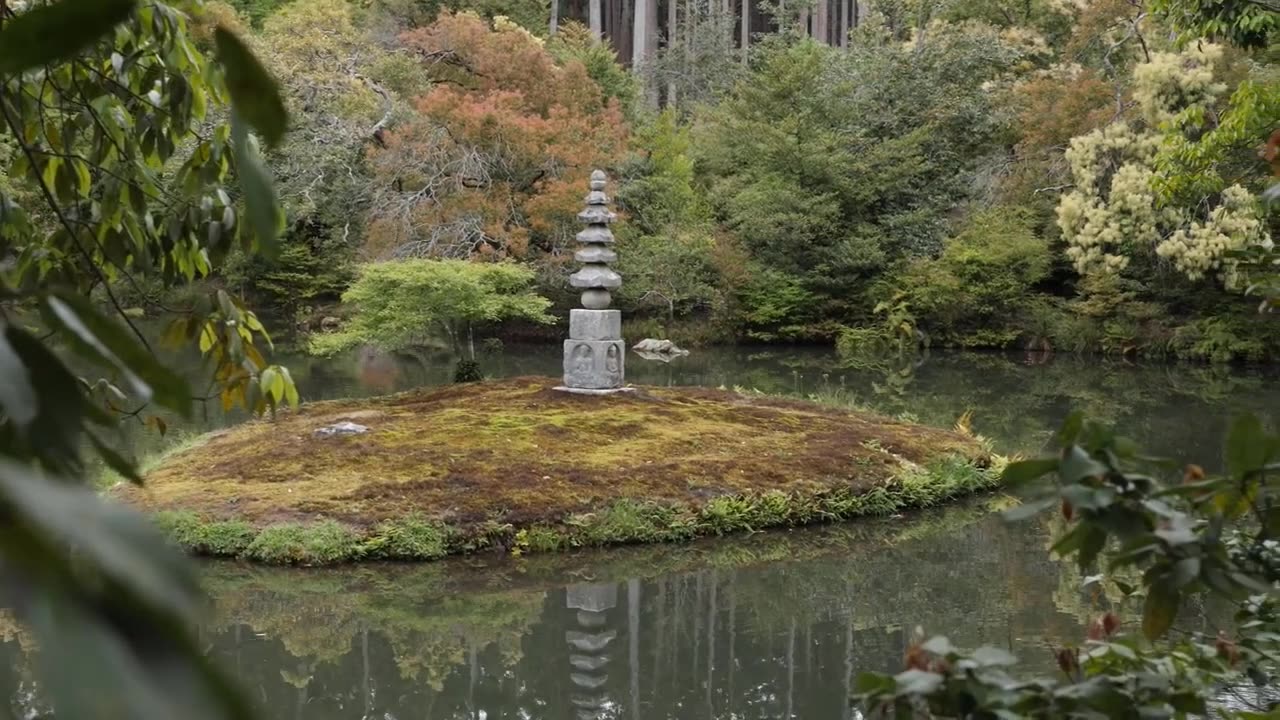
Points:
[(114, 176), (344, 91), (976, 290), (673, 271), (399, 305), (829, 166)]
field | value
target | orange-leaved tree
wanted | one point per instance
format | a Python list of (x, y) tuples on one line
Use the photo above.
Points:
[(494, 161)]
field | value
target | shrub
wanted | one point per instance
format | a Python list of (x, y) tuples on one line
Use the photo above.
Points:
[(321, 543), (197, 535), (976, 291), (408, 538)]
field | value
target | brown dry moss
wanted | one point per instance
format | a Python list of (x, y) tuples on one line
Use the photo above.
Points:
[(489, 460)]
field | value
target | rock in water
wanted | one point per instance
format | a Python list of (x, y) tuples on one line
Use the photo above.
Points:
[(653, 346), (343, 428)]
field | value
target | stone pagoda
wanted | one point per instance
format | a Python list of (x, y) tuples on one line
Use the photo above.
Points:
[(595, 353)]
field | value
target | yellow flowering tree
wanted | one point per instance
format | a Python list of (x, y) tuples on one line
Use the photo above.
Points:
[(1125, 200)]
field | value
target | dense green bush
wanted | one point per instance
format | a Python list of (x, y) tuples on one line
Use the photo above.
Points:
[(976, 292)]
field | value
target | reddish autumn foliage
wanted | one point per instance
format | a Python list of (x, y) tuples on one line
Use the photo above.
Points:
[(1052, 109), (496, 159)]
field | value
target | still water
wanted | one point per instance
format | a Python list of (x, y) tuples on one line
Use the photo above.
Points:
[(772, 625)]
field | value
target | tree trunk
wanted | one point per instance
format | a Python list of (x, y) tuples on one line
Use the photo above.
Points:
[(596, 18), (821, 29), (745, 41), (671, 46), (555, 16), (640, 36), (843, 40), (650, 52)]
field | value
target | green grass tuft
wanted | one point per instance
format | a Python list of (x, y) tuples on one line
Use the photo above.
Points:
[(218, 538), (408, 538), (323, 543)]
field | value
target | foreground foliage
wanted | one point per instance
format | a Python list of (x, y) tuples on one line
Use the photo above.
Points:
[(116, 172), (1196, 535)]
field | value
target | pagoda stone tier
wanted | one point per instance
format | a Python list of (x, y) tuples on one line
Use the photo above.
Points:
[(595, 353)]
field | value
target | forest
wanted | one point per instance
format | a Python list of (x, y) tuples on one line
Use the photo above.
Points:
[(1073, 176)]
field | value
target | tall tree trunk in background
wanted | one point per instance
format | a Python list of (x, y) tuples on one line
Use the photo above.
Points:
[(671, 45), (620, 33), (745, 42), (846, 21), (555, 16), (651, 51), (821, 28), (804, 22), (640, 36), (596, 18)]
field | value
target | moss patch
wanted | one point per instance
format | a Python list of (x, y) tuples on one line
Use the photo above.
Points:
[(515, 465)]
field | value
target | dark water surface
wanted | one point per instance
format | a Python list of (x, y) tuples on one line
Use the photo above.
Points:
[(772, 625)]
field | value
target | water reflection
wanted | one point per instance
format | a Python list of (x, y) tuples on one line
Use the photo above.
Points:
[(773, 625)]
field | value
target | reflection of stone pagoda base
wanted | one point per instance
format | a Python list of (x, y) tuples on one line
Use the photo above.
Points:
[(590, 391)]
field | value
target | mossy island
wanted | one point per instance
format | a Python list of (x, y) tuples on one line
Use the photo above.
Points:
[(516, 466)]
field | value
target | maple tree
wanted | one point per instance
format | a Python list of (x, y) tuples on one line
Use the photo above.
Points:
[(493, 162)]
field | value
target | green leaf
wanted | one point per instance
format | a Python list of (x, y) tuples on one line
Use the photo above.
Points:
[(938, 645), (255, 96), (1025, 471), (987, 656), (1093, 539), (917, 682), (1159, 610), (869, 682), (290, 389), (1071, 428), (1076, 465), (119, 541), (262, 207), (17, 396), (98, 338), (1186, 571), (114, 460), (1247, 445), (54, 433), (47, 33)]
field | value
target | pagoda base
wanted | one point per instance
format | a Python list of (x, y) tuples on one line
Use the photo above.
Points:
[(592, 391)]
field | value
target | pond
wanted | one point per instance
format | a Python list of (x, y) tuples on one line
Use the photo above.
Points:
[(771, 625)]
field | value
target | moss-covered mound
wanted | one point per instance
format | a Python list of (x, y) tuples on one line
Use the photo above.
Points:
[(516, 465)]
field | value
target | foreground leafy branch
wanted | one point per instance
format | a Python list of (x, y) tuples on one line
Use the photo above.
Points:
[(114, 169), (1188, 534)]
